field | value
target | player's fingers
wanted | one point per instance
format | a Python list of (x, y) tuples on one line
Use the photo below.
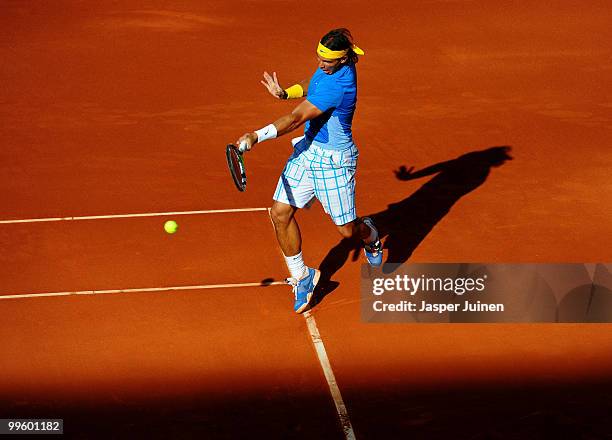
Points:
[(275, 78), (245, 141), (243, 146), (267, 77)]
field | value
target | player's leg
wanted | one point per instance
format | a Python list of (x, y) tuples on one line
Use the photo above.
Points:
[(293, 191), (287, 230), (364, 229), (289, 238), (357, 228), (334, 185)]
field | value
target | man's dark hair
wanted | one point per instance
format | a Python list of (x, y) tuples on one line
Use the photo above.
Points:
[(340, 39)]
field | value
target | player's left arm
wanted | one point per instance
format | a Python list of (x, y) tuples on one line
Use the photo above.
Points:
[(304, 85), (305, 111), (298, 90)]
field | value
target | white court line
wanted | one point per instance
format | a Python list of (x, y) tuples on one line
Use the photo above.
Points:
[(345, 421), (146, 214), (310, 320), (142, 290), (315, 336)]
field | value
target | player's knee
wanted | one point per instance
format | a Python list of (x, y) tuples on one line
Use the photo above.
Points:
[(281, 215)]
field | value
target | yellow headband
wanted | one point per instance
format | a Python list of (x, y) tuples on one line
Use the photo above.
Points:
[(335, 54)]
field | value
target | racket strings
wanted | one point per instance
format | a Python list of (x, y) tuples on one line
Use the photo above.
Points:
[(235, 162)]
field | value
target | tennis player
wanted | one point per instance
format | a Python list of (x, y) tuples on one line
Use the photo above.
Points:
[(324, 160)]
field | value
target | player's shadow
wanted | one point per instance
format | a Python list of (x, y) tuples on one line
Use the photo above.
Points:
[(405, 224)]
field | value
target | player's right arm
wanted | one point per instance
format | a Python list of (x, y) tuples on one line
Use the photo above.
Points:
[(305, 111)]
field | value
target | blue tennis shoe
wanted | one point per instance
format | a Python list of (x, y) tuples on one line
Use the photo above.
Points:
[(304, 289), (373, 251)]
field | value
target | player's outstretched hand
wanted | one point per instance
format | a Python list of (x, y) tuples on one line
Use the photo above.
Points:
[(246, 141), (271, 83)]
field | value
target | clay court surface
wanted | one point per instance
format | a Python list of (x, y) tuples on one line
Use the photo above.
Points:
[(111, 108)]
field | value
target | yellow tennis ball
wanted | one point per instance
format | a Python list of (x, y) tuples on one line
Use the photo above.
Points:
[(170, 226)]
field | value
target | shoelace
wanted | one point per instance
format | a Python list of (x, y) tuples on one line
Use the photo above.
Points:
[(294, 285)]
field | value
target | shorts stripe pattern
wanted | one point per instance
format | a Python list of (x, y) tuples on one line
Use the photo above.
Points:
[(328, 175)]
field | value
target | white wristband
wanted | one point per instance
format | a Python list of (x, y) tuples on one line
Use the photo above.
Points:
[(268, 132)]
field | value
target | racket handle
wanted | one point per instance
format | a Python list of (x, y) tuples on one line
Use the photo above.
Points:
[(243, 146)]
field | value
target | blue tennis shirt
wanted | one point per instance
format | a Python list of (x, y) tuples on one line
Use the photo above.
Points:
[(336, 96)]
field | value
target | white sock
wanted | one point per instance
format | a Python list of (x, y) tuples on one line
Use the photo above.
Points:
[(296, 266)]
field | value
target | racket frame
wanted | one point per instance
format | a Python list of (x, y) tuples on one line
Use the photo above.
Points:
[(239, 177)]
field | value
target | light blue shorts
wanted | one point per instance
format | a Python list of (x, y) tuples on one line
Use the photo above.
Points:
[(328, 175)]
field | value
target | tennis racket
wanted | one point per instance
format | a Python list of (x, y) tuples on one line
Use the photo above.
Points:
[(235, 162)]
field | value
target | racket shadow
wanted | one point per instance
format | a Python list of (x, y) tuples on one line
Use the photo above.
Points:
[(406, 223)]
